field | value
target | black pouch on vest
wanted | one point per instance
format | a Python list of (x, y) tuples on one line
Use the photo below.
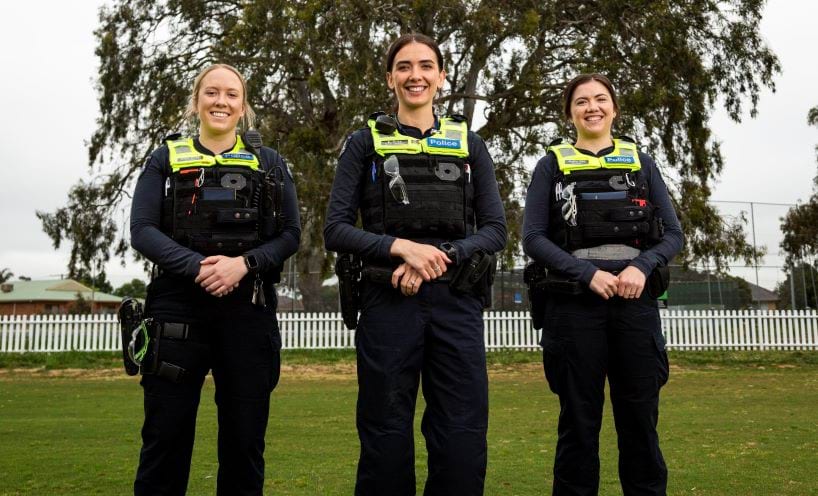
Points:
[(658, 282)]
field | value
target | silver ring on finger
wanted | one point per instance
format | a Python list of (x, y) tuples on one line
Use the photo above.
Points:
[(437, 268)]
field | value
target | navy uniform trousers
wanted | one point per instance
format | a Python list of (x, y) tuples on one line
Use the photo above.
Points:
[(240, 344), (435, 336), (585, 339)]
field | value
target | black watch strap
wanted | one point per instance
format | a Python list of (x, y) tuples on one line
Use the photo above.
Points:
[(251, 262), (450, 250)]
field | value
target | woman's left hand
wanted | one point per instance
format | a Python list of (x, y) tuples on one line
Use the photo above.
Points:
[(407, 278), (631, 283), (219, 275)]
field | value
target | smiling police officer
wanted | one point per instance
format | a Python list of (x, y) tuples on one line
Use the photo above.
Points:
[(599, 219), (432, 219), (217, 214)]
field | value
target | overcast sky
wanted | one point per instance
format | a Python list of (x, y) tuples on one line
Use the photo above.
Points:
[(50, 105)]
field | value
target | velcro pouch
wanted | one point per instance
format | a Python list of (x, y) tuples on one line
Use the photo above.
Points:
[(628, 214), (236, 215), (614, 229)]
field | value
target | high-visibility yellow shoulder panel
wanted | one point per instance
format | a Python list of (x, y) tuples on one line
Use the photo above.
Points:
[(451, 139), (183, 154), (625, 155)]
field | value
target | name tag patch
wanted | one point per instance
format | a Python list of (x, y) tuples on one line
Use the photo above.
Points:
[(576, 162), (239, 156), (394, 142), (189, 159)]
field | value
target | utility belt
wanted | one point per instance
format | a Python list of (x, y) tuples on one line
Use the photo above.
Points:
[(474, 276), (541, 282), (379, 274), (142, 342)]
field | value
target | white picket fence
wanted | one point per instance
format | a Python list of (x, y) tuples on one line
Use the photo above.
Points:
[(684, 330)]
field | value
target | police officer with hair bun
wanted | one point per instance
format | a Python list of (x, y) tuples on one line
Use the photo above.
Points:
[(217, 214), (601, 228), (432, 219)]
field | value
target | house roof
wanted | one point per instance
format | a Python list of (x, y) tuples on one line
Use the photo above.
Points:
[(51, 290), (762, 294)]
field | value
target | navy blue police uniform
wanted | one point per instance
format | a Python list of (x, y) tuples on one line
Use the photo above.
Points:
[(435, 334), (234, 338), (585, 212)]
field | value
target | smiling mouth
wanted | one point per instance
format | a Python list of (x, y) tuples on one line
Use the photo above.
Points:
[(219, 114), (415, 90)]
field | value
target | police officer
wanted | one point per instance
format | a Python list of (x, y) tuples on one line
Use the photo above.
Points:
[(218, 217), (429, 206), (598, 215)]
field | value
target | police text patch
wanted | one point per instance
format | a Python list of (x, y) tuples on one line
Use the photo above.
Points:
[(619, 160), (444, 143)]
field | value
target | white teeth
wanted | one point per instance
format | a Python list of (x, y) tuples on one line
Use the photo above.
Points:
[(218, 114)]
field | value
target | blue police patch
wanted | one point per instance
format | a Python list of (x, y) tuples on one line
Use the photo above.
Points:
[(240, 156), (444, 143), (620, 159)]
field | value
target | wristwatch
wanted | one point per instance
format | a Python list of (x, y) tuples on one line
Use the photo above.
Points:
[(451, 251), (251, 262)]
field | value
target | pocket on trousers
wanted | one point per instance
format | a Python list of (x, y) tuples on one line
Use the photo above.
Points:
[(663, 367), (275, 359), (553, 360)]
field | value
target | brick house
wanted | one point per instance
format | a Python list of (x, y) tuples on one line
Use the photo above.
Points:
[(52, 297)]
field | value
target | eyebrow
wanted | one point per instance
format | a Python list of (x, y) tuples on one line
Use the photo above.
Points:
[(425, 61), (217, 88), (595, 96)]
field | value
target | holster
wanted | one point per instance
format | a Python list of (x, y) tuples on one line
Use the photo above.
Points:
[(152, 362), (348, 270), (534, 277), (538, 277), (475, 276), (658, 281), (130, 316)]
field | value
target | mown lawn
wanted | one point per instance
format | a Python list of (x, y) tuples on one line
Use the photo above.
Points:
[(731, 424)]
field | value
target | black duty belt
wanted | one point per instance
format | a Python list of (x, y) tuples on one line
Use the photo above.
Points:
[(383, 275)]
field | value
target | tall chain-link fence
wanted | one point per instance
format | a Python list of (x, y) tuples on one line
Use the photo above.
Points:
[(763, 284)]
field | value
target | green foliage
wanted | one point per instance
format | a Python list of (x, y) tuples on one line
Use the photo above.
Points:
[(803, 278), (800, 224), (97, 282), (135, 289), (315, 71), (80, 306)]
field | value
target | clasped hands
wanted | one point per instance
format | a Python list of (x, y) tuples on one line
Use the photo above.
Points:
[(628, 284), (219, 275), (421, 263)]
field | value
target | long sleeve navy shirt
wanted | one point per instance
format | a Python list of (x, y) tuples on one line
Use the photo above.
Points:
[(341, 235), (159, 248), (540, 197)]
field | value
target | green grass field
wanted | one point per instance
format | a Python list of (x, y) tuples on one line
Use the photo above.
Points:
[(731, 424)]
